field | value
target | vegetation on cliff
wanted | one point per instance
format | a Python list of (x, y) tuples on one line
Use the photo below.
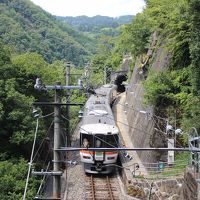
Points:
[(176, 89)]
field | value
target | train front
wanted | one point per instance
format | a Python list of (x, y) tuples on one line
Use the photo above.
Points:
[(99, 136)]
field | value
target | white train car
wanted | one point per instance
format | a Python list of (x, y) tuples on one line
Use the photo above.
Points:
[(99, 130)]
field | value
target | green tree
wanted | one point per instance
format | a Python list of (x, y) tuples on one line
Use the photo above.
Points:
[(12, 182), (194, 8)]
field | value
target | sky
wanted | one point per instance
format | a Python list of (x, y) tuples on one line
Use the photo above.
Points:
[(112, 8)]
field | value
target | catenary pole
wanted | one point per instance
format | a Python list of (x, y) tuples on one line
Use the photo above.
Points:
[(57, 142), (67, 102), (57, 173)]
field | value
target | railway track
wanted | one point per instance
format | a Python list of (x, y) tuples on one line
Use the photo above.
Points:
[(101, 188)]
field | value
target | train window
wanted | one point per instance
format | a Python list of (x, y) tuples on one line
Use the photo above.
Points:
[(99, 141), (86, 140), (107, 141), (112, 140)]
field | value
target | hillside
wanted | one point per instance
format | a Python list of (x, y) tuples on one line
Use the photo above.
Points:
[(97, 24), (27, 27)]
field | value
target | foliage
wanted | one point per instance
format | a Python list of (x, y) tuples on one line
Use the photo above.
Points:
[(105, 58), (134, 37), (173, 89), (17, 95), (173, 25), (17, 79), (97, 24), (194, 9), (105, 30), (177, 24), (12, 182), (168, 88), (27, 27)]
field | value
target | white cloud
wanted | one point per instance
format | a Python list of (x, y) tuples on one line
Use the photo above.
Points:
[(91, 7)]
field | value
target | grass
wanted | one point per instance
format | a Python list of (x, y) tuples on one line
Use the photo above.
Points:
[(176, 170)]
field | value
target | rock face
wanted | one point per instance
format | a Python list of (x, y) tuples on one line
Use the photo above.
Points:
[(142, 134), (170, 189), (156, 190), (190, 186), (142, 123)]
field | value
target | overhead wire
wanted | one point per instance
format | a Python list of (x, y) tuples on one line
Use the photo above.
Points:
[(112, 118), (43, 179), (31, 159), (106, 116), (152, 117), (155, 122), (47, 133), (46, 115)]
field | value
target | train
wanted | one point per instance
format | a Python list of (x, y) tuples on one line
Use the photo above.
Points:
[(99, 130)]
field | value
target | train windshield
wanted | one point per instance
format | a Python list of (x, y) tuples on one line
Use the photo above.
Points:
[(86, 140), (107, 141), (99, 140)]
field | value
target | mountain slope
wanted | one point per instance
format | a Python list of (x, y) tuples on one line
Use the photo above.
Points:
[(27, 27), (97, 23)]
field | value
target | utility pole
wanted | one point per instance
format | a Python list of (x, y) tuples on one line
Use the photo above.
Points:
[(57, 173), (68, 102), (57, 143), (68, 142)]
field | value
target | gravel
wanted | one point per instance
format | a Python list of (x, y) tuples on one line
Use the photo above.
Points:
[(75, 188)]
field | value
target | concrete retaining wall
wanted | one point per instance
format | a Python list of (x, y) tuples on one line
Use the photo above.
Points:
[(142, 132)]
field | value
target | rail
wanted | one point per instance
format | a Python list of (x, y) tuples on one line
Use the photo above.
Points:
[(101, 187)]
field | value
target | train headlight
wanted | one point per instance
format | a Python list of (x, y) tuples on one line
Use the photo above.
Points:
[(111, 158), (86, 157)]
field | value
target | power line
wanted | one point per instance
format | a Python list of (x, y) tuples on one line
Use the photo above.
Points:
[(47, 133), (42, 181), (93, 135), (31, 160), (112, 118), (128, 149)]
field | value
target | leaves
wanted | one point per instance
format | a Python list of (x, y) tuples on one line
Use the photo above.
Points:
[(12, 182), (27, 27)]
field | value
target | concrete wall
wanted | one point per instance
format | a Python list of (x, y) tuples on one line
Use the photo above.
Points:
[(157, 190), (141, 124), (178, 188), (142, 132)]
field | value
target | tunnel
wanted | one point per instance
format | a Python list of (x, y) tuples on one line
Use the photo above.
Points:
[(118, 81)]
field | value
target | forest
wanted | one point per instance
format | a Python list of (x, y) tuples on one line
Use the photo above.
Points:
[(98, 24), (36, 44), (177, 87), (27, 27)]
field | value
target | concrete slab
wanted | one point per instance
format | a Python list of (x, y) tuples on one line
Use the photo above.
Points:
[(130, 166)]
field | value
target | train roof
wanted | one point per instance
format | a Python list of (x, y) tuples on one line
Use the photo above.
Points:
[(97, 108), (106, 129)]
